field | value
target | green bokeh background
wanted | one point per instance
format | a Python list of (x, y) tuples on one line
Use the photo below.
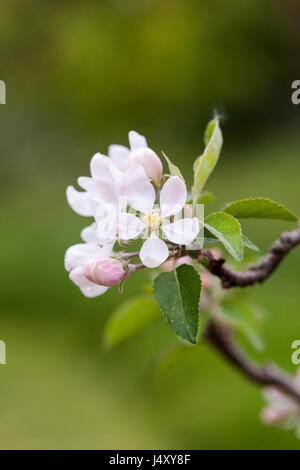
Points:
[(79, 76)]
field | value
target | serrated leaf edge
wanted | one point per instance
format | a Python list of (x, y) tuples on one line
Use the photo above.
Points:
[(260, 198)]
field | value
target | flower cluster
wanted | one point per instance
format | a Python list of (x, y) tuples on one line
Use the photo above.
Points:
[(282, 410), (127, 200)]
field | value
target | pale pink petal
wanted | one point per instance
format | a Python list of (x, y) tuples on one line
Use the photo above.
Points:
[(154, 252), (93, 290), (103, 190), (119, 154), (149, 161), (136, 140), (78, 255), (80, 201), (173, 196), (88, 234), (182, 231), (117, 174), (100, 167), (77, 276), (88, 288), (106, 170), (138, 189), (129, 226)]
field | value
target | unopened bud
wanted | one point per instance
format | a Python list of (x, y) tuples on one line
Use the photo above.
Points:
[(105, 271), (149, 161)]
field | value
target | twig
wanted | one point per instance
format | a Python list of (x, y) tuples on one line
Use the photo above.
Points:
[(135, 267), (220, 337), (127, 256), (260, 271)]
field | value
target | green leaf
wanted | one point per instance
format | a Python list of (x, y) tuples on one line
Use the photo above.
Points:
[(209, 130), (249, 244), (228, 230), (247, 319), (210, 239), (131, 316), (206, 197), (173, 169), (204, 165), (177, 294), (259, 208)]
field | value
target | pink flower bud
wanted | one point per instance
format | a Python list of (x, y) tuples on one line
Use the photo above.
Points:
[(149, 161), (105, 271)]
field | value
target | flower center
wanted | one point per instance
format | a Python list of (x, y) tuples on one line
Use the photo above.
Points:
[(153, 221)]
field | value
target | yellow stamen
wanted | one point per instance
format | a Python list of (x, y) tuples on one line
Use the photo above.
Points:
[(153, 221)]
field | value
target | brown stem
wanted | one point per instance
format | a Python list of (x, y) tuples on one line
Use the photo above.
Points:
[(220, 337), (135, 267), (258, 272), (127, 256)]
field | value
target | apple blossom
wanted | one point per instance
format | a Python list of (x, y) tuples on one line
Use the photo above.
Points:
[(172, 200), (190, 296), (282, 409), (141, 196), (108, 174), (112, 220)]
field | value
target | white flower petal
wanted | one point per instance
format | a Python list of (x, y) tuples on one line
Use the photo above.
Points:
[(88, 288), (138, 189), (119, 154), (78, 255), (79, 201), (106, 170), (172, 196), (182, 231), (93, 290), (88, 234), (107, 249), (136, 140), (76, 275), (106, 233), (154, 252), (100, 167), (117, 175), (103, 190), (129, 226)]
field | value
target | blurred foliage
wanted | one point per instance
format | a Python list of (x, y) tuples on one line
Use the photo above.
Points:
[(79, 76)]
